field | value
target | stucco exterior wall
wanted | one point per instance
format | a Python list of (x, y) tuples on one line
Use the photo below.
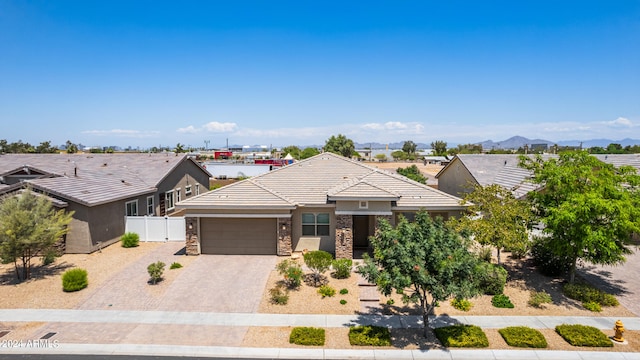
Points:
[(372, 206), (185, 174), (327, 243), (456, 179)]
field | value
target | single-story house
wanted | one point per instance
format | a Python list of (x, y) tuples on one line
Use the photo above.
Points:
[(325, 202), (467, 170), (102, 189)]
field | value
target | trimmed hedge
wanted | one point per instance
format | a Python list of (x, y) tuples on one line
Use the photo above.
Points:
[(307, 336), (369, 335), (462, 336), (522, 336), (589, 295), (582, 335), (74, 280)]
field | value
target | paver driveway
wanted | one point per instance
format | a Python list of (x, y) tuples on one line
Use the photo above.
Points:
[(212, 283)]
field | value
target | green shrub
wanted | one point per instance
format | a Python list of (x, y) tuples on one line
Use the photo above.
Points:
[(343, 302), (344, 291), (326, 291), (155, 271), (539, 298), (546, 261), (502, 301), (461, 304), (74, 280), (592, 306), (130, 239), (319, 262), (582, 335), (462, 336), (589, 294), (369, 335), (491, 278), (292, 273), (279, 295), (342, 268), (390, 302), (49, 257), (175, 265), (485, 253), (522, 336), (307, 336)]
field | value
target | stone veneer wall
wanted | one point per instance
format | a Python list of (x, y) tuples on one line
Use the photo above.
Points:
[(344, 237), (285, 247), (193, 242)]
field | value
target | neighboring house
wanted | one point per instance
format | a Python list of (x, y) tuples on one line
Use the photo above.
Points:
[(467, 170), (326, 202), (102, 189)]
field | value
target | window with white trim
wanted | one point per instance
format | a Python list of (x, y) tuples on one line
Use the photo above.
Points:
[(315, 224), (168, 200), (363, 204), (187, 190), (131, 208), (150, 208), (178, 194)]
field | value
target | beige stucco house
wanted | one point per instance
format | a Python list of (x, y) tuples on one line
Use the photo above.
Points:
[(102, 189), (326, 202)]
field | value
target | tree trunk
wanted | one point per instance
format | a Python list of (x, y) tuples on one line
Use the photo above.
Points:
[(572, 271), (498, 256)]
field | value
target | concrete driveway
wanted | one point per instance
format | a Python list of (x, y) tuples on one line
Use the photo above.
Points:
[(210, 283)]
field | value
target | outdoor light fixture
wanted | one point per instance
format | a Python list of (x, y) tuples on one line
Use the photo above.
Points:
[(190, 226)]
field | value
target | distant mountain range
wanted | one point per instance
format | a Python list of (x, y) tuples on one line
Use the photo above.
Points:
[(519, 141)]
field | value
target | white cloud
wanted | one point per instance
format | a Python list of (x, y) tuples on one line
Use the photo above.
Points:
[(619, 122), (188, 130), (215, 126), (389, 125), (123, 133)]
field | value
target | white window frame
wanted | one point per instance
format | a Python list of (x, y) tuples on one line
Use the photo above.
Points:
[(151, 209), (363, 204), (178, 195), (169, 200), (135, 210), (197, 189), (187, 190)]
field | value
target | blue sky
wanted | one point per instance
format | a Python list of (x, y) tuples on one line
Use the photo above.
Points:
[(150, 73)]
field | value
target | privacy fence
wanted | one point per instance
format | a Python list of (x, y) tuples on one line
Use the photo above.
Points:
[(157, 228)]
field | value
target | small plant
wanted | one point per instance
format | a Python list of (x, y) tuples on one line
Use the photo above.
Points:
[(130, 239), (485, 253), (326, 291), (344, 291), (319, 262), (369, 335), (74, 280), (390, 302), (502, 301), (589, 294), (155, 271), (461, 304), (279, 295), (342, 268), (292, 273), (307, 336), (522, 336), (592, 306), (49, 257), (582, 335), (343, 302), (175, 265), (539, 298), (462, 336)]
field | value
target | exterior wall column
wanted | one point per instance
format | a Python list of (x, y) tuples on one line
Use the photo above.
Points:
[(344, 237), (192, 245), (285, 247)]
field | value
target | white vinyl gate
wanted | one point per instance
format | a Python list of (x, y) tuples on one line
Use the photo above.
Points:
[(157, 228)]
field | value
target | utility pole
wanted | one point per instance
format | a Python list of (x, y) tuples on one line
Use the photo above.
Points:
[(206, 145)]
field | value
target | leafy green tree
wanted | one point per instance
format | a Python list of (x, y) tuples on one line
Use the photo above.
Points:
[(439, 147), (399, 155), (318, 262), (426, 261), (381, 157), (413, 173), (293, 150), (409, 147), (340, 145), (309, 152), (29, 227), (467, 149), (589, 208), (179, 148), (496, 218), (46, 148), (71, 147)]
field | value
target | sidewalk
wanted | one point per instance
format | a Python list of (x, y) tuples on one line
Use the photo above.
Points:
[(115, 319)]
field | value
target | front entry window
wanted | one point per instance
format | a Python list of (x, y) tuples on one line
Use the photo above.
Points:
[(315, 224)]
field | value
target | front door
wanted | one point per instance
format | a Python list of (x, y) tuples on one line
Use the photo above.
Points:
[(361, 231)]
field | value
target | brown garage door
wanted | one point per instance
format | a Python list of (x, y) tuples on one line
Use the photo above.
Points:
[(238, 236)]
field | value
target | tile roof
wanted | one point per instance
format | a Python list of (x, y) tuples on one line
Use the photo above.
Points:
[(93, 179), (312, 181)]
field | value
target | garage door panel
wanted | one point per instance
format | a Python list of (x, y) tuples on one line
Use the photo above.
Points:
[(238, 236)]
